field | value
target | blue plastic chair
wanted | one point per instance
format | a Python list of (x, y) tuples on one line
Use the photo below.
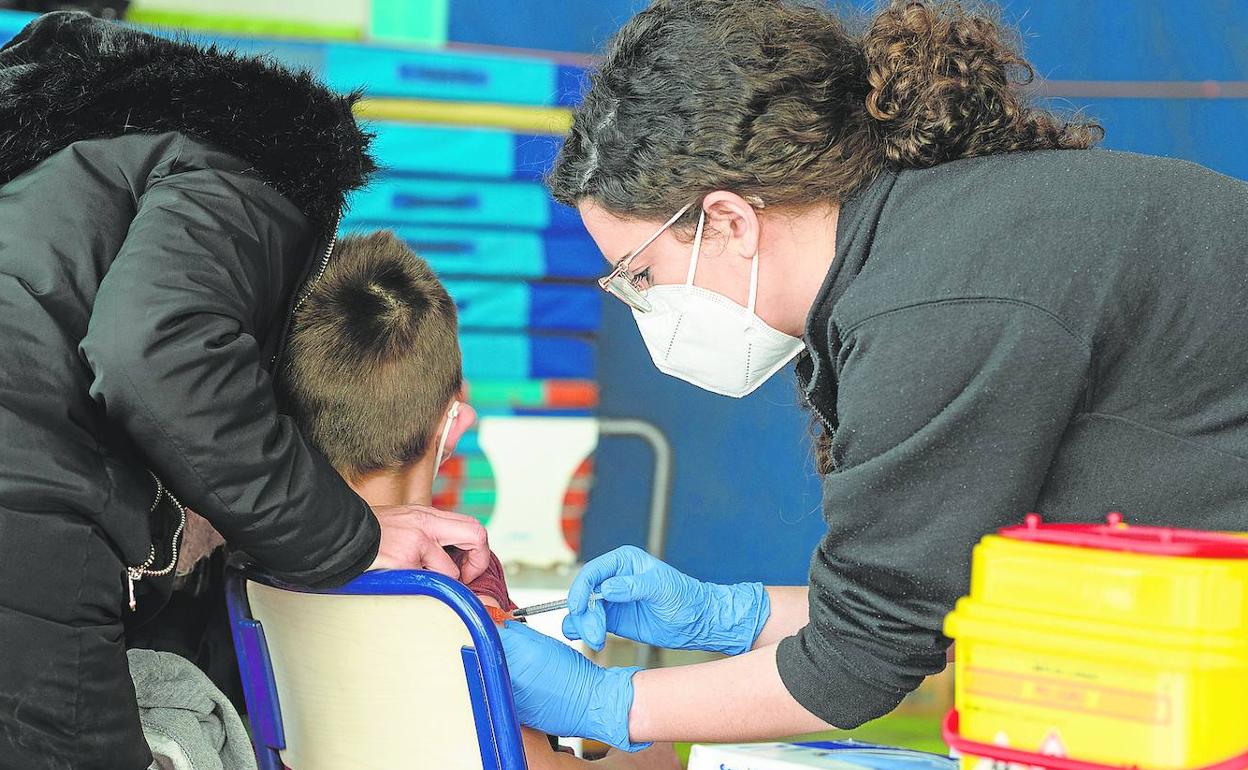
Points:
[(485, 670)]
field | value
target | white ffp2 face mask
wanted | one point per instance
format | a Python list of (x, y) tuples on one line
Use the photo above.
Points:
[(710, 341)]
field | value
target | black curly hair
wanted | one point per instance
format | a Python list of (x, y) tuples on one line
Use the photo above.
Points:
[(781, 101)]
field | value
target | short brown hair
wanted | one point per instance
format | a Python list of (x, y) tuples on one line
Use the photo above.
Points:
[(374, 357)]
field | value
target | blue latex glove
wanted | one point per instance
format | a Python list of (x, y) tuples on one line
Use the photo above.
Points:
[(648, 601), (561, 692)]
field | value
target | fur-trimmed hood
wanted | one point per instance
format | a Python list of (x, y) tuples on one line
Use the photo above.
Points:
[(68, 77)]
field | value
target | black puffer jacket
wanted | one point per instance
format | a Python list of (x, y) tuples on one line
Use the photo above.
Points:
[(162, 206)]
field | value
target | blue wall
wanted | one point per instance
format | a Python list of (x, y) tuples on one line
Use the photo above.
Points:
[(745, 500), (574, 26)]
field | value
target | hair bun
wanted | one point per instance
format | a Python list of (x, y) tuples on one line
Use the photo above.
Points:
[(942, 86)]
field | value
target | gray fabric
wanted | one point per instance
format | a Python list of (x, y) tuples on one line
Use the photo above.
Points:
[(1060, 332), (187, 722)]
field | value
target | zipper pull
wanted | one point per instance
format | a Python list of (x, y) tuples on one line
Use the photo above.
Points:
[(132, 576)]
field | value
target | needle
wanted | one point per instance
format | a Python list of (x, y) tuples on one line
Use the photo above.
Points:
[(537, 609)]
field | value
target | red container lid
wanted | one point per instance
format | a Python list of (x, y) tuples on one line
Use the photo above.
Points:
[(1116, 535), (1020, 758)]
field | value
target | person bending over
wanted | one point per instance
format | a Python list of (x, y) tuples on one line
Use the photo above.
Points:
[(162, 207), (374, 380)]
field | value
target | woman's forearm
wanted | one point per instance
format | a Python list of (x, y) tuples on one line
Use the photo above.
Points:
[(790, 612), (734, 699)]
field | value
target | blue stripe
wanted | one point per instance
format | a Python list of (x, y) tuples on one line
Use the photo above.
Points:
[(560, 357), (440, 75), (534, 154), (455, 251), (505, 356), (559, 306), (11, 22), (1206, 131), (468, 444), (534, 412), (563, 217), (570, 83), (1151, 40), (415, 149), (525, 411), (291, 54), (393, 200), (513, 305), (491, 304), (498, 356), (573, 255)]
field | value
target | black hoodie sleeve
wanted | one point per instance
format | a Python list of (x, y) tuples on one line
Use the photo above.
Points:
[(949, 415), (173, 346)]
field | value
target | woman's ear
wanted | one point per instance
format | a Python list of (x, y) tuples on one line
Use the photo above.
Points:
[(735, 221)]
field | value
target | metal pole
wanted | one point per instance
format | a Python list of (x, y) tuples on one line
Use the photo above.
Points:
[(656, 533)]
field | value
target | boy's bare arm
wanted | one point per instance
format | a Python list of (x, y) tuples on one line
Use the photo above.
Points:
[(540, 756), (660, 756)]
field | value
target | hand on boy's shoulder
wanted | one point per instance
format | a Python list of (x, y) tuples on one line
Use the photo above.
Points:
[(415, 536)]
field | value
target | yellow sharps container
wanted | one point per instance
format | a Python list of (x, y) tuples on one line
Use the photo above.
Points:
[(1091, 646)]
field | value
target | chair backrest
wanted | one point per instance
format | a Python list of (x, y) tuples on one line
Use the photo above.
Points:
[(399, 669)]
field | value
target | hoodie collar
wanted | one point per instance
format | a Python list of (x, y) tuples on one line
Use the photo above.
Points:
[(68, 77), (855, 231)]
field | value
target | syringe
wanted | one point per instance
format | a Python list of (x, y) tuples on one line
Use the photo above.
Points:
[(538, 609)]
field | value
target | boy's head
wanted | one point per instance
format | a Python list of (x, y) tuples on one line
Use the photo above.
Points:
[(374, 363)]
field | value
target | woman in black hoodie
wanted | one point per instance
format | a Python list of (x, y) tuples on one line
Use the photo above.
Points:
[(162, 209), (988, 317)]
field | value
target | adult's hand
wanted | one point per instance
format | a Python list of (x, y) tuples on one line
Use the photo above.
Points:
[(651, 602), (561, 692), (415, 536)]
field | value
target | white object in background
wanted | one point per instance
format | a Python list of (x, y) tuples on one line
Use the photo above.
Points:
[(533, 460), (789, 756)]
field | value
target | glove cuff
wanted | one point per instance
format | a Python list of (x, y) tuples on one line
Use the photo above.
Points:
[(740, 611), (607, 718)]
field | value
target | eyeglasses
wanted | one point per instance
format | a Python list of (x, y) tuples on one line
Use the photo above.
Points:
[(627, 286)]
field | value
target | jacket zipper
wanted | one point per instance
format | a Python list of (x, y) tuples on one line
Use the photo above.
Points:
[(306, 290), (329, 250), (135, 574)]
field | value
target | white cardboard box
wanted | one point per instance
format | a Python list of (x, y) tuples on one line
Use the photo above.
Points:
[(789, 756)]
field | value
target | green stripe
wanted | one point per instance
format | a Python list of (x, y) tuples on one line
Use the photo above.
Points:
[(411, 21), (481, 497), (508, 392), (246, 26)]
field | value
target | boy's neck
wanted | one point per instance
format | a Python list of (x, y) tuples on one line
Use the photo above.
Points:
[(412, 485)]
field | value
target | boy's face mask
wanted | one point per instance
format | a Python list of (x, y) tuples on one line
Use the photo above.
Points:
[(451, 416), (708, 340)]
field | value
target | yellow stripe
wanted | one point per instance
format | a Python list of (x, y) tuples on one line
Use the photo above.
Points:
[(535, 120), (243, 26)]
